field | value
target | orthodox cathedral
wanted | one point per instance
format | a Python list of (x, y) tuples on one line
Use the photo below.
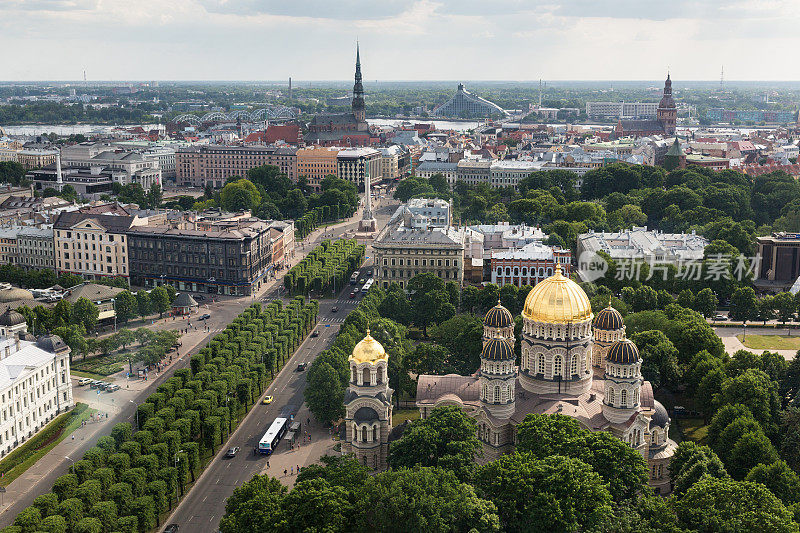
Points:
[(572, 363)]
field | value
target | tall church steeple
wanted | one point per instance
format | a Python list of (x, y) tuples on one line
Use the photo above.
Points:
[(358, 91)]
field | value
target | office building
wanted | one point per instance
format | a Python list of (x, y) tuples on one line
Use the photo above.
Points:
[(353, 164), (622, 110), (780, 262)]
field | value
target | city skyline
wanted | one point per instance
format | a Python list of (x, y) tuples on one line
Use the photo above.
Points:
[(251, 40)]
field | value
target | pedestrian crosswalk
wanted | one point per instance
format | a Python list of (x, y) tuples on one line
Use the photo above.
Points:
[(332, 319)]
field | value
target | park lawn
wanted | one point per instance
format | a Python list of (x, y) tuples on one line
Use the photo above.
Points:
[(40, 444), (91, 375), (694, 429), (401, 415), (770, 342)]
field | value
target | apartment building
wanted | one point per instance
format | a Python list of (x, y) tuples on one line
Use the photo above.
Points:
[(31, 158), (395, 162), (35, 248), (474, 171), (93, 244), (316, 162), (198, 166), (409, 246), (231, 257)]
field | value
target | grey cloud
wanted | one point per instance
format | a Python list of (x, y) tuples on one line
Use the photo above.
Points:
[(51, 5)]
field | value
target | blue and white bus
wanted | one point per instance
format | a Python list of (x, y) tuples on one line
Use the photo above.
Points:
[(273, 436), (367, 286)]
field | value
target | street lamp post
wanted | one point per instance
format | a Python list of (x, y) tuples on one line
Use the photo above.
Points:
[(137, 413), (73, 463), (177, 460)]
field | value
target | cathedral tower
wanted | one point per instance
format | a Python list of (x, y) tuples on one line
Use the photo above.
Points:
[(667, 113), (622, 382), (556, 338), (608, 327), (359, 109), (368, 404)]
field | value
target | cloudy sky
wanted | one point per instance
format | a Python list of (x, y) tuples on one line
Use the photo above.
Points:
[(400, 39)]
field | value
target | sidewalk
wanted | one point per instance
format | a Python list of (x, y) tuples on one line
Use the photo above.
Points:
[(303, 454), (86, 437)]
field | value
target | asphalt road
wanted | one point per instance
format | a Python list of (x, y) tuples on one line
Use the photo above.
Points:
[(204, 505), (287, 390)]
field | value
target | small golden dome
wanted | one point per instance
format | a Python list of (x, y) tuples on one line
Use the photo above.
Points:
[(368, 350), (557, 300)]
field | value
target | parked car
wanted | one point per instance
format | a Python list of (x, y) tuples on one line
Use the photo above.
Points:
[(205, 317), (301, 367), (720, 317), (267, 399), (84, 381), (315, 333), (172, 528), (199, 298), (112, 388), (103, 385), (94, 383), (232, 452)]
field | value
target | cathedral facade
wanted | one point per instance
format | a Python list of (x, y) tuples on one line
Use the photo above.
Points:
[(572, 363), (665, 123)]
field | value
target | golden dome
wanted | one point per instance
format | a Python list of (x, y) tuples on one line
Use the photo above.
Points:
[(557, 300), (368, 350)]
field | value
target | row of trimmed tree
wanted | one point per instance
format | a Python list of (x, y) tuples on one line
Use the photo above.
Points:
[(326, 268), (129, 478)]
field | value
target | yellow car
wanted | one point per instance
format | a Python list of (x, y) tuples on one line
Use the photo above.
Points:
[(267, 399)]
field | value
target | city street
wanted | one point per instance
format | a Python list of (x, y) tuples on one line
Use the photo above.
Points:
[(204, 506), (121, 405)]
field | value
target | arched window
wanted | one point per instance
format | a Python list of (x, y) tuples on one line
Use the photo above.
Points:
[(573, 365), (355, 377), (365, 377), (364, 434), (540, 365), (624, 398), (496, 394), (379, 376), (635, 396), (516, 271), (485, 392), (375, 433), (508, 271), (557, 365), (611, 395)]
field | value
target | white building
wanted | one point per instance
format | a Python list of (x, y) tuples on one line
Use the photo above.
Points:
[(437, 212), (127, 166), (640, 244), (626, 110), (529, 264), (35, 383), (427, 169)]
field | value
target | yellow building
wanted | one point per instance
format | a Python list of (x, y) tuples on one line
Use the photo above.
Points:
[(31, 159), (315, 163)]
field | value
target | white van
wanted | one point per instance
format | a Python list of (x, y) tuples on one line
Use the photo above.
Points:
[(84, 381)]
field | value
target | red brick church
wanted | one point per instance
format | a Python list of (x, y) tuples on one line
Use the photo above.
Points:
[(344, 129), (664, 124)]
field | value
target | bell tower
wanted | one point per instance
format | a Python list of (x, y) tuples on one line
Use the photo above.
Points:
[(359, 108), (667, 112)]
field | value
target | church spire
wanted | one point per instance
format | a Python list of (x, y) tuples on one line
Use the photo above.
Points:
[(358, 90)]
